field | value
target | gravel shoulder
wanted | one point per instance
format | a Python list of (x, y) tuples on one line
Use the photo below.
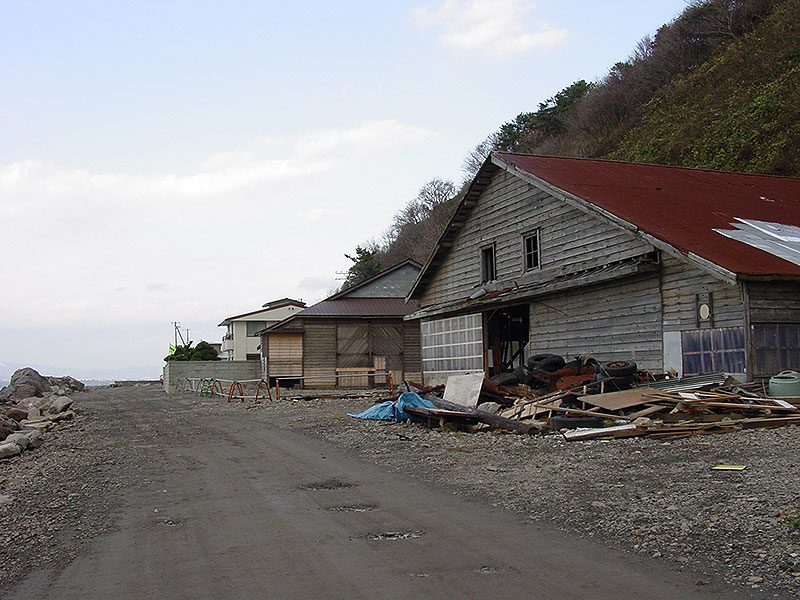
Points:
[(656, 499)]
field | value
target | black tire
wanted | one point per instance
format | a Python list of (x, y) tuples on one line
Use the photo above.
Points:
[(504, 379), (558, 423), (619, 368), (546, 362), (620, 383), (523, 374), (551, 364)]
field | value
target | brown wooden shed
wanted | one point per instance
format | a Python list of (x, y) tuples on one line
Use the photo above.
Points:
[(344, 339)]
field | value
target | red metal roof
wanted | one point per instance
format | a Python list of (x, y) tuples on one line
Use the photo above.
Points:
[(361, 307), (678, 206)]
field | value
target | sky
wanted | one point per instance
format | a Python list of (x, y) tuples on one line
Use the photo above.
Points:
[(186, 161)]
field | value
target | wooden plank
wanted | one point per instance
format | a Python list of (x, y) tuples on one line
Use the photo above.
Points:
[(616, 431), (618, 400)]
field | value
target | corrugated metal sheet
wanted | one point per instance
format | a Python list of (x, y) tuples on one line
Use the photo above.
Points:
[(361, 307), (681, 207)]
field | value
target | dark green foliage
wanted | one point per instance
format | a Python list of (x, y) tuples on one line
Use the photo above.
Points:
[(531, 128), (203, 351), (365, 264)]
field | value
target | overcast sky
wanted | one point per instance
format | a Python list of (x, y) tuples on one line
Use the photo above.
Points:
[(191, 160)]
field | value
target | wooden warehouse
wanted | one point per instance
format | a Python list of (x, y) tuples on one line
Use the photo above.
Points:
[(678, 269), (337, 342)]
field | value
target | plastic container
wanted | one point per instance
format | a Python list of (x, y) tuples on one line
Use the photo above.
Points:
[(785, 383)]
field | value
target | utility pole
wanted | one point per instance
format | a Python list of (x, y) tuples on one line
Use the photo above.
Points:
[(175, 325)]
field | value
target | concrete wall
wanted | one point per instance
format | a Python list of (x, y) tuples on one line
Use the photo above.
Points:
[(236, 370)]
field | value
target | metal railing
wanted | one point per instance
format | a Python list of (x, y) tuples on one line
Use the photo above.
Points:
[(237, 389)]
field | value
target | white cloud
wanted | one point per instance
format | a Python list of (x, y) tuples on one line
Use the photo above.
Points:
[(317, 214), (368, 137), (499, 27), (114, 247), (266, 161)]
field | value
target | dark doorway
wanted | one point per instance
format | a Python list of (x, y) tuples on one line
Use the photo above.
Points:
[(506, 334)]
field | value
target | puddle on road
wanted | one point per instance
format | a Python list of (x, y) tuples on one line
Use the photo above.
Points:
[(328, 484), (394, 535), (357, 508), (487, 570)]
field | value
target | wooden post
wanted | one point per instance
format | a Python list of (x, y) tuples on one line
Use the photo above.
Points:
[(277, 389)]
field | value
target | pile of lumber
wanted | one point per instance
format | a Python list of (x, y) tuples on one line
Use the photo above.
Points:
[(666, 409)]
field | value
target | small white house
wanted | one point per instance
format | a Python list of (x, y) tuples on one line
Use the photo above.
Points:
[(242, 337)]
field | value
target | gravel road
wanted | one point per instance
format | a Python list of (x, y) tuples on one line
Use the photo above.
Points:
[(654, 510)]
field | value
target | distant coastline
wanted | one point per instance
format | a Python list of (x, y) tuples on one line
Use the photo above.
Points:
[(86, 382)]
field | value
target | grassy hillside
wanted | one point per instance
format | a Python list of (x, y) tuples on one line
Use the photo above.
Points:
[(739, 111)]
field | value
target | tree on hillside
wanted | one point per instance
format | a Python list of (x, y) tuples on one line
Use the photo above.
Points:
[(366, 263), (476, 157), (416, 227), (529, 129)]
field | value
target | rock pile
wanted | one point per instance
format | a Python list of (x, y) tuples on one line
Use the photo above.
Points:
[(30, 404)]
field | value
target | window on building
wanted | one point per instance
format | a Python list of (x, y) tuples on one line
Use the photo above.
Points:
[(253, 327), (253, 357), (713, 350), (488, 272), (530, 245), (777, 348), (451, 345)]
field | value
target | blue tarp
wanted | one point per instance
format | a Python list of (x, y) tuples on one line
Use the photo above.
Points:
[(393, 410)]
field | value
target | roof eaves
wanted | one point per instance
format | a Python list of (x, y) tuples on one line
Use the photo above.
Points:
[(375, 277), (468, 202)]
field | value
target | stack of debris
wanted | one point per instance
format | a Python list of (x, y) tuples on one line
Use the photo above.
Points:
[(619, 403)]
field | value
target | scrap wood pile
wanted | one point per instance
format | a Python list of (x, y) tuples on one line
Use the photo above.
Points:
[(597, 408), (691, 406)]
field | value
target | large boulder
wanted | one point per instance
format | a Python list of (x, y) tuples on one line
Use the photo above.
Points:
[(60, 405), (67, 384), (29, 376), (35, 438), (7, 450), (16, 413), (25, 390), (20, 439), (7, 426)]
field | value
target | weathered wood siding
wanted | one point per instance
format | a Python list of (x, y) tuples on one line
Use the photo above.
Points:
[(680, 284), (285, 354), (773, 301), (617, 321), (508, 209), (319, 353), (412, 351), (774, 333)]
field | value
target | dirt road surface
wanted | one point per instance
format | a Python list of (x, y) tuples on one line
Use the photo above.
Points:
[(171, 498)]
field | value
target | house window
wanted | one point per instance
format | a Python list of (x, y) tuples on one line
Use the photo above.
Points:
[(253, 327), (777, 348), (713, 351), (488, 264), (530, 245)]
